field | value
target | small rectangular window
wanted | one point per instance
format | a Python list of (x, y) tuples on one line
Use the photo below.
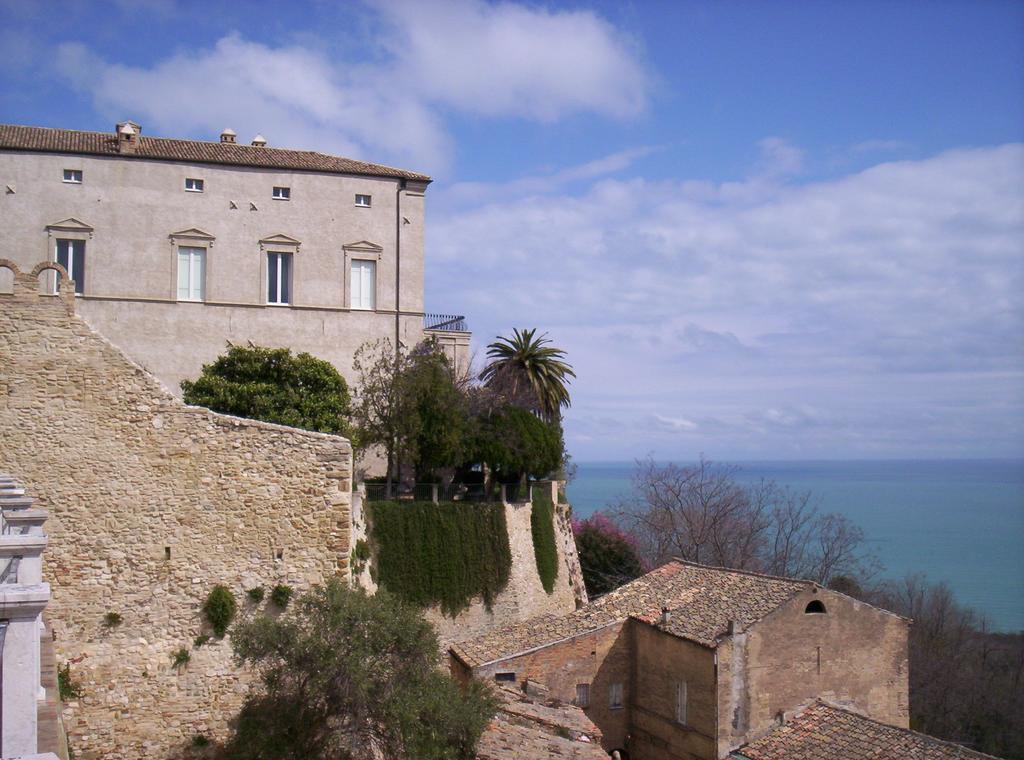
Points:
[(73, 176), (681, 702), (363, 200), (191, 270), (505, 677), (193, 185), (615, 696), (279, 278), (71, 256), (363, 276), (282, 193), (583, 695)]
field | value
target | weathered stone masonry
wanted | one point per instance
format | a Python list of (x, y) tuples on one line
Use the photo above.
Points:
[(152, 503)]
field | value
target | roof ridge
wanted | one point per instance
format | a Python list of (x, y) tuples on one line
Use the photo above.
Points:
[(801, 581)]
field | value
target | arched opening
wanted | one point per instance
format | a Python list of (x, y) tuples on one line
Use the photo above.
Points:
[(6, 281), (49, 274), (814, 607)]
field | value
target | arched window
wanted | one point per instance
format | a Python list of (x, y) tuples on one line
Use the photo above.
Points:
[(814, 607)]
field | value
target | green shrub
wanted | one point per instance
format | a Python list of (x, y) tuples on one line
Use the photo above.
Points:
[(180, 658), (220, 609), (442, 554), (360, 556), (281, 595), (112, 620), (542, 526), (255, 594), (68, 688), (200, 640)]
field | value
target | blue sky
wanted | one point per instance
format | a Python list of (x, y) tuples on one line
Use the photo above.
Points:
[(761, 230)]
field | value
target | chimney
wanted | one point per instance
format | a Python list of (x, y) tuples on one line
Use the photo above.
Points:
[(730, 629), (127, 136), (228, 135), (259, 141), (666, 616)]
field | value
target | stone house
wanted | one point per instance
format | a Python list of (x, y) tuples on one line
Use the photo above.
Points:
[(691, 661), (179, 246)]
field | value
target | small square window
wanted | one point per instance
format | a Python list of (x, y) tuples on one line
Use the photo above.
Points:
[(363, 200), (193, 185), (282, 193), (505, 677), (73, 175)]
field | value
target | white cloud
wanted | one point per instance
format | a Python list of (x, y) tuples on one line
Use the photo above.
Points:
[(470, 57), (508, 59), (844, 316)]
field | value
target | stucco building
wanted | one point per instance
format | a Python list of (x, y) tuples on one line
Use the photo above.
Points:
[(178, 246), (691, 661)]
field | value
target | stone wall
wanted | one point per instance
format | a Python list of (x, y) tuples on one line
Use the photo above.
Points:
[(853, 654), (152, 503), (524, 597)]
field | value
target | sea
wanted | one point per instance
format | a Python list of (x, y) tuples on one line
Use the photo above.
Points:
[(956, 521)]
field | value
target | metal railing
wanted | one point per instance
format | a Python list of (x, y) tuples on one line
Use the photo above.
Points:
[(445, 322), (436, 492)]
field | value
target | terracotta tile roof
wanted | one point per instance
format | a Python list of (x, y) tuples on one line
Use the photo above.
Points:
[(703, 600), (527, 728), (43, 139), (827, 732)]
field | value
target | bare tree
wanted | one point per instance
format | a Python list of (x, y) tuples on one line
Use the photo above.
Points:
[(703, 514)]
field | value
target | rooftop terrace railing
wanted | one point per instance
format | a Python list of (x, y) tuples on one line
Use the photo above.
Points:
[(445, 322)]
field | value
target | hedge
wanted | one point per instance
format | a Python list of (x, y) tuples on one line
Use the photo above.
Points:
[(542, 525)]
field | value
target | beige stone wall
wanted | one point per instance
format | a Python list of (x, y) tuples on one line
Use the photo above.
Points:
[(524, 597), (661, 662), (854, 654), (130, 207), (151, 504)]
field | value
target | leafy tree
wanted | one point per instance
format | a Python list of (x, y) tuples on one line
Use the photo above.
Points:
[(408, 402), (436, 437), (608, 556), (529, 373), (515, 443), (273, 385), (346, 675)]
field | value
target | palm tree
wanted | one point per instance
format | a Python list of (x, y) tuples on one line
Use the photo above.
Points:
[(529, 372)]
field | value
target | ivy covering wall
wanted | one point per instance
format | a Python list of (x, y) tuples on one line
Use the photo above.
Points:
[(542, 525), (443, 554)]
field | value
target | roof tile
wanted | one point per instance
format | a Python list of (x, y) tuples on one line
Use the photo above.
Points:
[(44, 139)]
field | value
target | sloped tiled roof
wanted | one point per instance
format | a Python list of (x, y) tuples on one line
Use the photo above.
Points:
[(702, 599), (44, 139), (827, 732), (528, 728)]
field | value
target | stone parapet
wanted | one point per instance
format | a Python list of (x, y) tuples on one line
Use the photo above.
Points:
[(152, 503)]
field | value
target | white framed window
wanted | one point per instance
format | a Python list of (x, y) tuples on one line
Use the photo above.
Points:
[(70, 254), (73, 176), (282, 193), (191, 273), (681, 702), (194, 185), (363, 284), (363, 201), (279, 277), (615, 696), (583, 695)]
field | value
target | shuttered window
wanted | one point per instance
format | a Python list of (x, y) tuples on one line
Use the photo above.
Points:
[(363, 284), (191, 273), (279, 278), (71, 256)]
